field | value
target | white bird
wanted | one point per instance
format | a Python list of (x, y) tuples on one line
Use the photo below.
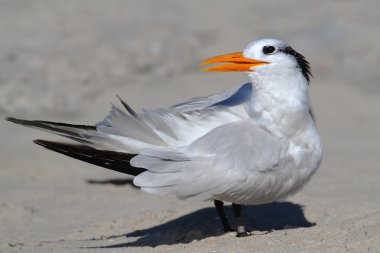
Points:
[(253, 144)]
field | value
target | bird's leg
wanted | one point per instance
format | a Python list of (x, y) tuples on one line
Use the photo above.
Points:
[(220, 209), (241, 232)]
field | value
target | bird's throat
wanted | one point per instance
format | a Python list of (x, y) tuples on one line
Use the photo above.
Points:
[(280, 115)]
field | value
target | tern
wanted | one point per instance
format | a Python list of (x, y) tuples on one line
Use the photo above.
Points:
[(252, 144)]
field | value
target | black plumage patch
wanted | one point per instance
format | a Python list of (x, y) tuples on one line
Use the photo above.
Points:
[(113, 160), (303, 64)]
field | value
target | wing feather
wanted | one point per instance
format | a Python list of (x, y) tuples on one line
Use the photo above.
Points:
[(183, 123), (216, 165)]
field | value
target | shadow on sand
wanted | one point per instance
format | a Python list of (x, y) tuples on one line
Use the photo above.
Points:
[(205, 223)]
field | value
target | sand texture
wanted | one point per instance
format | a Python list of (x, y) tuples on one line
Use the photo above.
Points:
[(66, 61)]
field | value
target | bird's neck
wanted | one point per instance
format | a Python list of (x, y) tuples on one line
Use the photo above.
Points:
[(280, 103)]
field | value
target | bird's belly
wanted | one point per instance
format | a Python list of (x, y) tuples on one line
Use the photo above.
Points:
[(261, 188)]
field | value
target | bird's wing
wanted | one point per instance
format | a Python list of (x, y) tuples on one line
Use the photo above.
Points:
[(216, 165), (112, 160), (229, 98), (92, 137), (180, 124)]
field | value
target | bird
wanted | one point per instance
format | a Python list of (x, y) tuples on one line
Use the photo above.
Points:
[(252, 144)]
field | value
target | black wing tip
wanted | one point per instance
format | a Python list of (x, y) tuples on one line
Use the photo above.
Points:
[(38, 141), (47, 124), (42, 143), (52, 145), (113, 160), (59, 146), (127, 107), (15, 120), (23, 122)]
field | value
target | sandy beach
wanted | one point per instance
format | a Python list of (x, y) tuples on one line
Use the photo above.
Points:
[(66, 61)]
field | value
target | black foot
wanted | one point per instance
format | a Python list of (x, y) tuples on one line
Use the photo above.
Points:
[(240, 227), (243, 234), (220, 209), (242, 231)]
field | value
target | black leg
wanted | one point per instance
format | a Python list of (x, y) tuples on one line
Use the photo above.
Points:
[(241, 232), (220, 209)]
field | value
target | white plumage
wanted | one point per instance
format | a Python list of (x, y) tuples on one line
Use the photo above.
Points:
[(249, 145), (252, 144)]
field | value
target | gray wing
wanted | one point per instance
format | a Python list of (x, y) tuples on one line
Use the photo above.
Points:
[(180, 124), (228, 163), (229, 98)]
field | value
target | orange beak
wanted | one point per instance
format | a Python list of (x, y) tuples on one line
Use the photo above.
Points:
[(237, 60)]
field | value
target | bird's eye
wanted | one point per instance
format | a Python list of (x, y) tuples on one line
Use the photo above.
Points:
[(269, 49)]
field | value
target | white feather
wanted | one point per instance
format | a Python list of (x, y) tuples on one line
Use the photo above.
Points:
[(252, 144)]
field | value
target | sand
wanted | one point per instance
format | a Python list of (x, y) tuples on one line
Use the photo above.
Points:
[(66, 60)]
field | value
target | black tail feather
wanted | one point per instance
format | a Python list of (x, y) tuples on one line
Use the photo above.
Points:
[(112, 160), (38, 123), (127, 107), (63, 129)]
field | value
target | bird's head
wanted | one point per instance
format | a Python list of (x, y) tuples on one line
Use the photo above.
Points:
[(268, 57)]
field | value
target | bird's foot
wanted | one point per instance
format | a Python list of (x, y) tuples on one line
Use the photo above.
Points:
[(242, 232)]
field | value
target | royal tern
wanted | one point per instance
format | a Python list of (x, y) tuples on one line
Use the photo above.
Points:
[(253, 144)]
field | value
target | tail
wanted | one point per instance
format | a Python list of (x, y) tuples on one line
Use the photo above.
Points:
[(101, 144), (113, 160), (63, 129), (119, 131)]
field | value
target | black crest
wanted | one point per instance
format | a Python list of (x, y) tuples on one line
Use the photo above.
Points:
[(303, 64)]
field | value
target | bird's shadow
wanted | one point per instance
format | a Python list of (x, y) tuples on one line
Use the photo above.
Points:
[(205, 223)]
